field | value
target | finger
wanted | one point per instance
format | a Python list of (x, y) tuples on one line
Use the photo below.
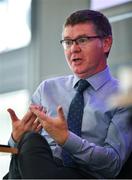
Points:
[(35, 124), (12, 115), (60, 113), (39, 127), (35, 106), (40, 114), (28, 116), (31, 122)]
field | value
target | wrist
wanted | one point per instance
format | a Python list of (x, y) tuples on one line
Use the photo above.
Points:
[(64, 139), (14, 137)]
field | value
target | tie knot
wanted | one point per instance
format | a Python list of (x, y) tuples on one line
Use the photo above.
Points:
[(82, 85)]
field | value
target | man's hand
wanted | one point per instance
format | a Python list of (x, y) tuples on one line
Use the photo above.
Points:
[(56, 127), (19, 127)]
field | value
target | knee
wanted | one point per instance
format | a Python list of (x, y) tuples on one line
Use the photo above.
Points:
[(28, 139), (31, 140), (28, 135)]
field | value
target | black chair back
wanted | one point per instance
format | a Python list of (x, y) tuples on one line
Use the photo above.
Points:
[(126, 172)]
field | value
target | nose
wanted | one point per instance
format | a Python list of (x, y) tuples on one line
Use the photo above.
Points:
[(75, 47)]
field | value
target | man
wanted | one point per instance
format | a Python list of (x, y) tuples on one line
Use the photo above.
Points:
[(103, 143)]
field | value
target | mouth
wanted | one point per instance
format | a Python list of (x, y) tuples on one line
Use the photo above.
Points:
[(76, 60)]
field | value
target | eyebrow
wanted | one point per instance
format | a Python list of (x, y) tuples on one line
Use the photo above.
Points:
[(79, 36)]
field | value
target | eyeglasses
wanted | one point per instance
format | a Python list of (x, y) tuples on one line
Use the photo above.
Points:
[(81, 41)]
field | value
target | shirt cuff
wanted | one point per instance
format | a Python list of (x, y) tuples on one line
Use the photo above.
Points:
[(73, 143), (11, 142)]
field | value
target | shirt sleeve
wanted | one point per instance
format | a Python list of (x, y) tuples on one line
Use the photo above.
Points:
[(107, 160), (11, 142), (36, 97)]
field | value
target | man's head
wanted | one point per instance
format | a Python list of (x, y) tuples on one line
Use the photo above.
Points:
[(102, 25), (87, 40)]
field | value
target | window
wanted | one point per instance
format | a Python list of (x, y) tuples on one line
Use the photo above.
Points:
[(14, 24), (17, 100), (102, 4)]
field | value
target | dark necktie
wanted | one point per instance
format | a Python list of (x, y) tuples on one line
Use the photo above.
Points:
[(75, 115)]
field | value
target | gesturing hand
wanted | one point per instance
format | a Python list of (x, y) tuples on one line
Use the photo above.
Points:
[(27, 123), (56, 127)]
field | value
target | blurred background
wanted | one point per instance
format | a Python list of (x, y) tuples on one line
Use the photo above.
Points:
[(30, 31)]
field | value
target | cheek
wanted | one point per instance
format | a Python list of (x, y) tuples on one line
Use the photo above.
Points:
[(94, 49), (98, 50), (93, 55), (100, 44)]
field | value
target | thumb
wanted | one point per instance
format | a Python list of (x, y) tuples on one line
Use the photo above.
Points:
[(60, 113), (12, 115)]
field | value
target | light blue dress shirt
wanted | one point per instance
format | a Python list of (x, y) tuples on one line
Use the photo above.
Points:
[(106, 138)]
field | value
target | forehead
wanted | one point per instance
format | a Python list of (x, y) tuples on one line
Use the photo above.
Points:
[(79, 29)]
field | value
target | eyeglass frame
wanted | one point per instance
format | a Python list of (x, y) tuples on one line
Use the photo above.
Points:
[(76, 40)]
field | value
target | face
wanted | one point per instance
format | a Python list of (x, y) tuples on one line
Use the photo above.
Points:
[(89, 59)]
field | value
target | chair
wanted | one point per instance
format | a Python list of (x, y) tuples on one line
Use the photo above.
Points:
[(5, 149), (126, 172), (8, 149)]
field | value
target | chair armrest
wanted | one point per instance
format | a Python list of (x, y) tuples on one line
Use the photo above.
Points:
[(8, 149)]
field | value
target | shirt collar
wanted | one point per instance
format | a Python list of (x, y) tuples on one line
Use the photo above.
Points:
[(97, 80)]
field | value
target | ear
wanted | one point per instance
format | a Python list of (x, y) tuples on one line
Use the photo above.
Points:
[(107, 43)]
